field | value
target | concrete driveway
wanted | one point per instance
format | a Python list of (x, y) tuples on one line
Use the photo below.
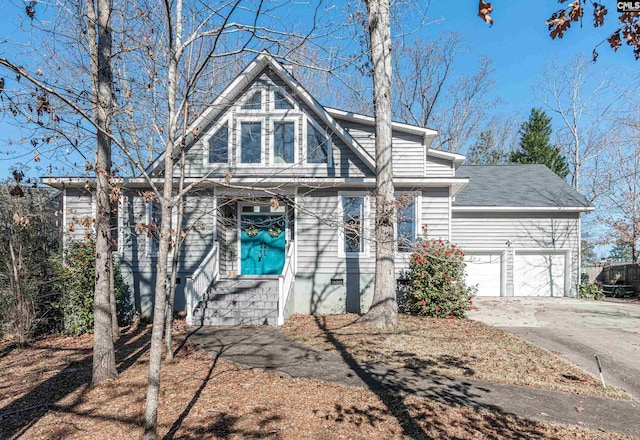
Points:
[(576, 330)]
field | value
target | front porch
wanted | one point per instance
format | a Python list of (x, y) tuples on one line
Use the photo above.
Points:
[(248, 274)]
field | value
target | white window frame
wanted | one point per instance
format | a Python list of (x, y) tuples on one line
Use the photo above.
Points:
[(148, 248), (263, 138), (245, 99), (305, 150), (365, 224), (296, 140), (417, 207), (287, 97), (209, 135)]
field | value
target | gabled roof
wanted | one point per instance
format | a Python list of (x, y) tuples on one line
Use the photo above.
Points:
[(231, 92), (522, 187)]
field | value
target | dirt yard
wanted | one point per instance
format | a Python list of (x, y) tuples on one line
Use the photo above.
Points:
[(44, 394)]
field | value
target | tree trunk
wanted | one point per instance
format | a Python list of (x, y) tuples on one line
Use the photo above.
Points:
[(104, 362), (153, 385), (115, 329), (384, 308), (168, 331)]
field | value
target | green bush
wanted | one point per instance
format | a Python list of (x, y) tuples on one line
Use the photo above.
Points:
[(590, 291), (435, 281), (76, 284)]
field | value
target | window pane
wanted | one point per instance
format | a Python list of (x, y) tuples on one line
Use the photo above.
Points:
[(317, 145), (406, 226), (251, 142), (353, 217), (218, 145), (155, 223), (281, 102), (113, 225), (253, 103), (283, 142)]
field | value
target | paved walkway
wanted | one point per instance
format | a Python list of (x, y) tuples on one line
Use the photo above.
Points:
[(266, 348)]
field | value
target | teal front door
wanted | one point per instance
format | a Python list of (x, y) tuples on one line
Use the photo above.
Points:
[(262, 244)]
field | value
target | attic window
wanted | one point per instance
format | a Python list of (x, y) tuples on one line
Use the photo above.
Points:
[(253, 103), (280, 102), (317, 145), (219, 145)]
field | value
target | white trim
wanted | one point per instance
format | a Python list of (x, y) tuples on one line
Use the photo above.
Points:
[(272, 101), (263, 138), (296, 139), (65, 227), (522, 208), (147, 243), (370, 120), (205, 143), (449, 213), (455, 158), (247, 96), (365, 225), (94, 213), (121, 217), (305, 146)]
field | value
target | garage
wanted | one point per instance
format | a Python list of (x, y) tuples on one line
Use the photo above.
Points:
[(537, 274), (484, 271)]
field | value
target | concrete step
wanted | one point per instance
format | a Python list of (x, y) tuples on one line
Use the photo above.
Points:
[(215, 310), (225, 320)]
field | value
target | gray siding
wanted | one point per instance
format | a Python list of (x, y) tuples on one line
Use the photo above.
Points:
[(437, 167), (78, 206), (408, 150), (552, 231), (435, 212)]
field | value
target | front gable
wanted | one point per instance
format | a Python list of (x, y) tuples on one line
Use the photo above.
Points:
[(266, 124)]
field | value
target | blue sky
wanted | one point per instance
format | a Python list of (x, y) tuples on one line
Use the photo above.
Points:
[(518, 43)]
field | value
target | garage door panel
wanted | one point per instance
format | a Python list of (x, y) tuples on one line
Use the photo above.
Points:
[(483, 270), (539, 274)]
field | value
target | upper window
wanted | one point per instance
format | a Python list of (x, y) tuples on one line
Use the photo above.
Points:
[(353, 218), (114, 226), (284, 142), (318, 145), (406, 225), (280, 102), (254, 102), (219, 145), (251, 142)]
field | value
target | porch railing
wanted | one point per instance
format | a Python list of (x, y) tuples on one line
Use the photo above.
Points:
[(285, 281), (199, 282)]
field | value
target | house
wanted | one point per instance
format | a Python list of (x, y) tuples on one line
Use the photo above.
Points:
[(280, 220)]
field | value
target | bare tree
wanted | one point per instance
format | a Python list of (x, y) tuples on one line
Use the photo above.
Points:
[(429, 92), (583, 103), (384, 308)]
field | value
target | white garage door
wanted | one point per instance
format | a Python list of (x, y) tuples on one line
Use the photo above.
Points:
[(539, 274), (483, 270)]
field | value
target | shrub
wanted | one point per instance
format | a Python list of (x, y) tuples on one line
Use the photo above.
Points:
[(590, 291), (436, 285), (77, 281)]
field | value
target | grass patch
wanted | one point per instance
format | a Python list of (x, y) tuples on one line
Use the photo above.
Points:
[(454, 347)]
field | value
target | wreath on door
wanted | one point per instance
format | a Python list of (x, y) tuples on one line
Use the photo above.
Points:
[(274, 231), (251, 230)]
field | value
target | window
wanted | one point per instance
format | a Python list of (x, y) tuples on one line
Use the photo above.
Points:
[(284, 142), (353, 217), (219, 145), (251, 142), (154, 213), (406, 224), (317, 145), (113, 226), (253, 103), (280, 102)]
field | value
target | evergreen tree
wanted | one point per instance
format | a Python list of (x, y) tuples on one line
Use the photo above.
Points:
[(535, 144)]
